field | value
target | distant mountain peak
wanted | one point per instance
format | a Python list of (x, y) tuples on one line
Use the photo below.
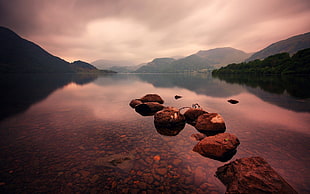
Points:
[(164, 59), (202, 60), (85, 65), (224, 55), (290, 45)]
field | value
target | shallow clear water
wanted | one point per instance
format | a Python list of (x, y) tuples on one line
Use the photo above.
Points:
[(78, 133)]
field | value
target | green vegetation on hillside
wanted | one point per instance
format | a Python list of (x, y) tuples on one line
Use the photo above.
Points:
[(280, 63)]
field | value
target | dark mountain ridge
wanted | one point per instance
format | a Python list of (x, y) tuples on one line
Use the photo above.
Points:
[(19, 55), (290, 45)]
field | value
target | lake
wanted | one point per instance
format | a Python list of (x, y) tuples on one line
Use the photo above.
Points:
[(78, 134)]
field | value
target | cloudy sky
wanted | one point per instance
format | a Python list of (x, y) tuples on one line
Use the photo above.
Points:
[(140, 30)]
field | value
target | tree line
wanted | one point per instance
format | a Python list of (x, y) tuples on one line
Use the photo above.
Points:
[(281, 63)]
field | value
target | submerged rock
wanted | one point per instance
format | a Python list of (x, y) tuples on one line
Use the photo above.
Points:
[(152, 98), (169, 121), (210, 124), (252, 175), (121, 161), (220, 147), (192, 114), (148, 108)]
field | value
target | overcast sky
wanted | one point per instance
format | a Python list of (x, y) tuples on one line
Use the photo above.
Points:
[(140, 30)]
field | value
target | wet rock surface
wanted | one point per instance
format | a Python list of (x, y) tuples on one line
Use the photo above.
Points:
[(220, 147), (192, 114), (152, 98), (148, 108), (169, 121), (252, 175), (210, 124), (133, 103), (148, 105)]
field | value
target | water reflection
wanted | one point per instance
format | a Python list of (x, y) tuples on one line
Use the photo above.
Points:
[(291, 92), (296, 86), (20, 91), (88, 139), (199, 83)]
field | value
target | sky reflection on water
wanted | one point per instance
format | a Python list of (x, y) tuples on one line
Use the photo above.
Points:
[(94, 119)]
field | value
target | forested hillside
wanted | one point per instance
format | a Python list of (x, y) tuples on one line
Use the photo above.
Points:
[(280, 63)]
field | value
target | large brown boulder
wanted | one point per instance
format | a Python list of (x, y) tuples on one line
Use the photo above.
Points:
[(192, 114), (210, 124), (169, 121), (148, 108), (220, 147), (252, 175), (152, 98)]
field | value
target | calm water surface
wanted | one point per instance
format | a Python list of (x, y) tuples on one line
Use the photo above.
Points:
[(77, 134)]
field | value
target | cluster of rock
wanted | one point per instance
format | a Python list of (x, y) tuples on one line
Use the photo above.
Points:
[(147, 105), (215, 144), (246, 175)]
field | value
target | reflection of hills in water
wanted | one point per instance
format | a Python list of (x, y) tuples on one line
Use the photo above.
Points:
[(293, 85), (20, 91), (288, 92), (199, 83)]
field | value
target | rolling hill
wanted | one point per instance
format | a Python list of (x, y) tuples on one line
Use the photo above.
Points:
[(202, 60), (224, 56)]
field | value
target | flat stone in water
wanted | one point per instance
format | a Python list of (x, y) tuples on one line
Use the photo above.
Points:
[(122, 161)]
